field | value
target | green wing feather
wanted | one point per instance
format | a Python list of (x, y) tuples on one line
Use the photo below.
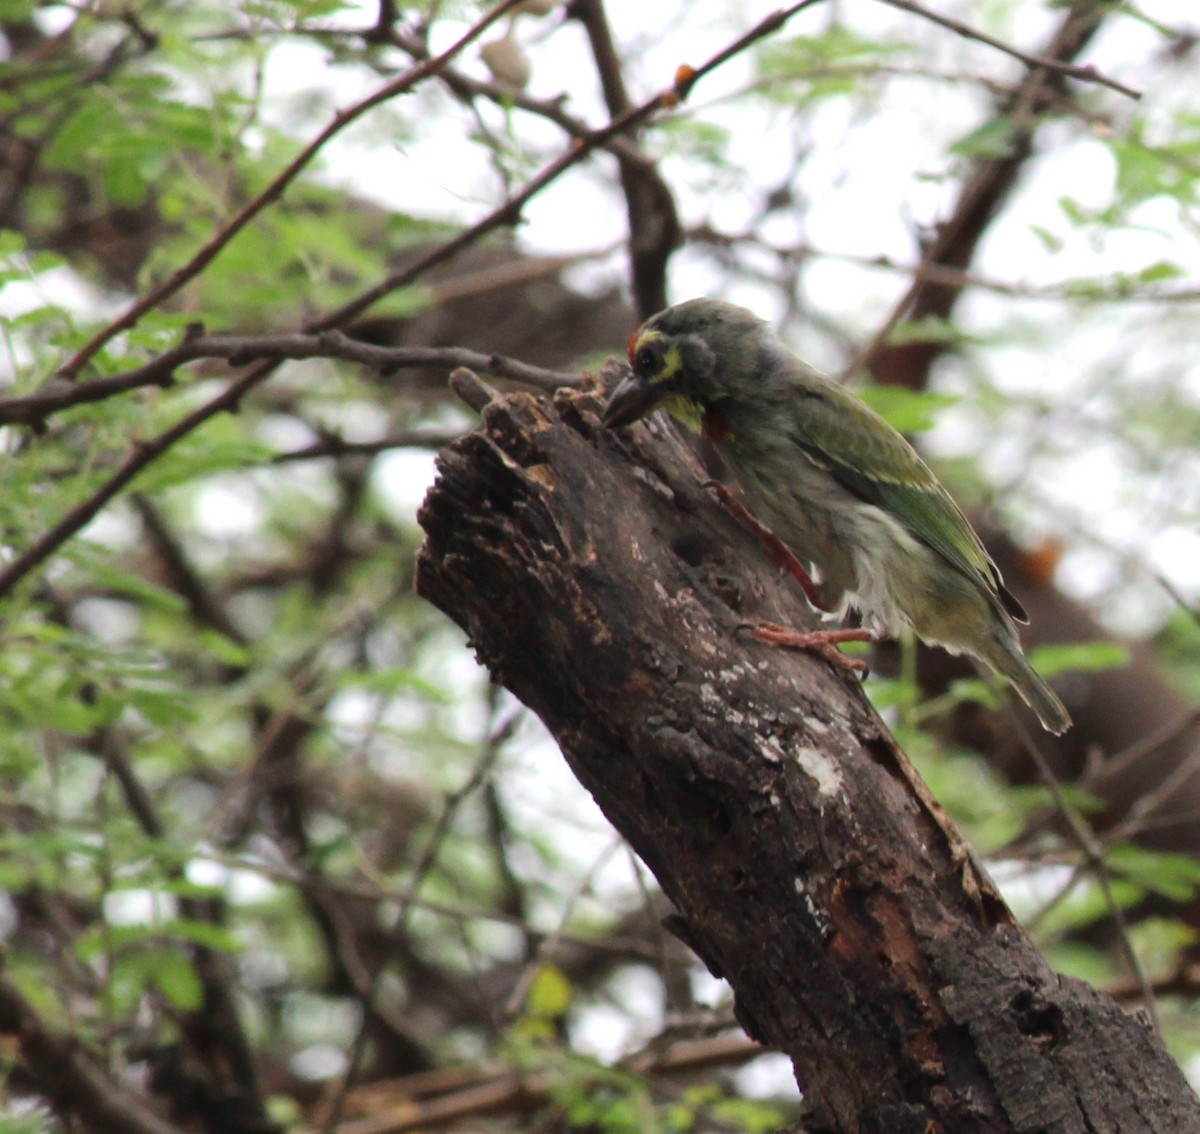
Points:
[(871, 459)]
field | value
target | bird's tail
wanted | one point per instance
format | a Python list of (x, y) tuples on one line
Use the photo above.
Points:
[(1012, 663)]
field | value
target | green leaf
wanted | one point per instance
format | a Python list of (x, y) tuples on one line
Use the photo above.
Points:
[(204, 452), (168, 970), (928, 330), (1051, 660), (100, 939), (1074, 211), (16, 11), (120, 580), (974, 690), (176, 978), (224, 649), (1051, 241), (1174, 876), (811, 52), (161, 707), (750, 1115), (405, 302), (910, 411), (1086, 905), (1161, 270), (204, 933), (550, 993), (993, 139), (391, 680)]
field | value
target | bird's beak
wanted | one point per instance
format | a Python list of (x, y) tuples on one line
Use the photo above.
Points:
[(632, 399)]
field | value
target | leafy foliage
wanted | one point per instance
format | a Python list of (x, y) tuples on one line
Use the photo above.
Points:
[(262, 817)]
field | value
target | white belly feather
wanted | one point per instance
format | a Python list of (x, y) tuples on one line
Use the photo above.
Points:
[(868, 559)]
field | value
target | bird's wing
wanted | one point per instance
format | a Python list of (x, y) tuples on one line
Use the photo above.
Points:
[(871, 459)]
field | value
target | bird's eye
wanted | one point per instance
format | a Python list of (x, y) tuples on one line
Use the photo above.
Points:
[(648, 359)]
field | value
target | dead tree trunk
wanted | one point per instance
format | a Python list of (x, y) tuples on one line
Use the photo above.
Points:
[(809, 865)]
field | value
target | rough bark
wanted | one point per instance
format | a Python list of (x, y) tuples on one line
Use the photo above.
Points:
[(809, 866)]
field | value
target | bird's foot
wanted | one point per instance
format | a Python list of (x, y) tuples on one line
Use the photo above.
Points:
[(822, 642), (779, 553)]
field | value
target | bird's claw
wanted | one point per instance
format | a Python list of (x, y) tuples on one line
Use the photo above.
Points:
[(822, 642)]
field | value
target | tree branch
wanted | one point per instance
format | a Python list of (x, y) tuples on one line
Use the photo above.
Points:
[(1085, 73), (220, 239), (144, 453), (653, 220), (809, 864), (33, 409), (69, 1076), (983, 194)]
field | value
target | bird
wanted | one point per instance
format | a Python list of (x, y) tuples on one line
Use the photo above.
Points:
[(832, 483)]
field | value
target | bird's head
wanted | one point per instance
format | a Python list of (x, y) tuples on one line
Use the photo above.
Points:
[(689, 359)]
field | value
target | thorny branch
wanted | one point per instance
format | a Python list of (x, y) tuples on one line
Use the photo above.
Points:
[(509, 213)]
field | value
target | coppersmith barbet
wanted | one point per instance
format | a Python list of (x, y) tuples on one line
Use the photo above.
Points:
[(834, 482)]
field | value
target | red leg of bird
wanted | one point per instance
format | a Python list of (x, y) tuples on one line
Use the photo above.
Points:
[(780, 554), (823, 642)]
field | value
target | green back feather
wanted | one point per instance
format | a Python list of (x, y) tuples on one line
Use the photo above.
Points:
[(872, 460)]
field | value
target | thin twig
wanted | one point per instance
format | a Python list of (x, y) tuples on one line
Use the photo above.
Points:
[(66, 1072), (1089, 847), (1083, 72), (516, 998), (685, 79), (143, 453), (401, 84), (497, 736)]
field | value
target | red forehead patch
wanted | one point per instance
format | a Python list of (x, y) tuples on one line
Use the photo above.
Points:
[(633, 340)]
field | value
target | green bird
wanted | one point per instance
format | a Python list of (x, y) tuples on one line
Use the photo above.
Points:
[(835, 483)]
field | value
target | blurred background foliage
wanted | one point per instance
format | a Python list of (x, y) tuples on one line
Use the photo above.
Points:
[(263, 820)]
